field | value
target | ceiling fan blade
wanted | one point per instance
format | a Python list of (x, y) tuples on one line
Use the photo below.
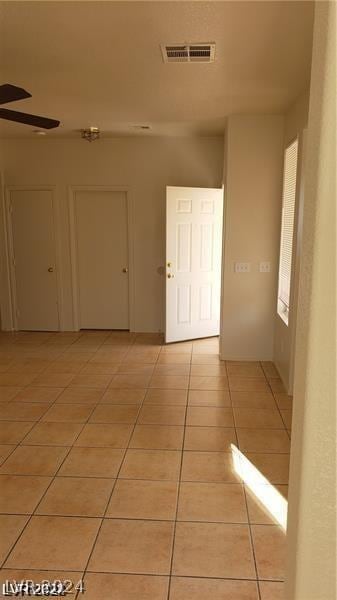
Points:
[(34, 120), (10, 93)]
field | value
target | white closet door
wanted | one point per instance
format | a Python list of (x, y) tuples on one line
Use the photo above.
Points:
[(193, 262), (102, 259), (34, 260)]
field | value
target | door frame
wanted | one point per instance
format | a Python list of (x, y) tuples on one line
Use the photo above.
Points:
[(72, 189), (9, 241)]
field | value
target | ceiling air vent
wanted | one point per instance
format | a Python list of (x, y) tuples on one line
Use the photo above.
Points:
[(189, 53)]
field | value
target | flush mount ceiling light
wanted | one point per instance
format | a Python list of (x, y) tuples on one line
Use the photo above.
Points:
[(90, 134), (188, 53), (39, 132), (142, 127)]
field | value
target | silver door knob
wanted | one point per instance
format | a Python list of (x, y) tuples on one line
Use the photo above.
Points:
[(125, 270), (51, 270)]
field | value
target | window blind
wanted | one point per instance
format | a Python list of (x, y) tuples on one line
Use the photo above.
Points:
[(287, 228)]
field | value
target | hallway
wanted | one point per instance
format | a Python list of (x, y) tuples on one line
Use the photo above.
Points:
[(117, 467)]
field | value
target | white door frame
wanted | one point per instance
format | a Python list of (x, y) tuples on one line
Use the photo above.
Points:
[(8, 227), (72, 189)]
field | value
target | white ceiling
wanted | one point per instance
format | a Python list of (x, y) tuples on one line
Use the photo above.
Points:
[(100, 64)]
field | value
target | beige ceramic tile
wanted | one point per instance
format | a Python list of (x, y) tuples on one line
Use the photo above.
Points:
[(209, 398), (277, 386), (92, 462), (5, 451), (132, 499), (275, 467), (40, 576), (80, 396), (76, 496), (187, 588), (206, 359), (248, 384), (270, 370), (135, 368), (106, 586), (284, 401), (7, 393), (109, 413), (177, 348), (34, 460), (38, 394), (210, 439), (170, 382), (258, 506), (272, 590), (212, 502), (244, 369), (169, 358), (166, 397), (12, 432), (130, 381), (99, 368), (53, 379), (213, 550), (162, 415), (91, 381), (261, 418), (10, 527), (209, 416), (214, 467), (154, 437), (68, 413), (101, 435), (16, 379), (21, 494), (208, 383), (172, 369), (287, 418), (209, 370), (253, 400), (53, 434), (127, 546), (151, 464), (22, 411), (123, 396), (67, 543), (269, 547), (263, 440)]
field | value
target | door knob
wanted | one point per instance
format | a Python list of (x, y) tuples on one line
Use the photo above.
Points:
[(125, 270), (51, 270), (170, 275)]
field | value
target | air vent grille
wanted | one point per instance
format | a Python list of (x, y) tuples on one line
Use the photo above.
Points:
[(189, 53)]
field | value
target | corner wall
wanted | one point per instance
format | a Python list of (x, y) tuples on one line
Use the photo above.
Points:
[(253, 168), (311, 573), (146, 166)]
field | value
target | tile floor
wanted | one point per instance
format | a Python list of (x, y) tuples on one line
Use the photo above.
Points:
[(116, 467)]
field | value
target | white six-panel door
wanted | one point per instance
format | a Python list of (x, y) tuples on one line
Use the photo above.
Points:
[(193, 262), (33, 245)]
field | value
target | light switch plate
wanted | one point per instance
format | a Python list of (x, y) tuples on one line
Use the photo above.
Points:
[(242, 267), (265, 267)]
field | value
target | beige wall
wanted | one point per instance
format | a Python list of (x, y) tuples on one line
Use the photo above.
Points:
[(312, 494), (295, 123), (254, 147), (146, 165)]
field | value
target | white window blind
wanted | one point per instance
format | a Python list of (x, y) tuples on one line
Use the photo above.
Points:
[(287, 229)]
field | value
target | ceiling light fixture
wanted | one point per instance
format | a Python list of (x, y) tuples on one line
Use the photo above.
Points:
[(142, 127), (39, 132), (90, 134)]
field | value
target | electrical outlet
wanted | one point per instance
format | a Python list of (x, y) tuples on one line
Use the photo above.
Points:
[(265, 267), (242, 267)]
